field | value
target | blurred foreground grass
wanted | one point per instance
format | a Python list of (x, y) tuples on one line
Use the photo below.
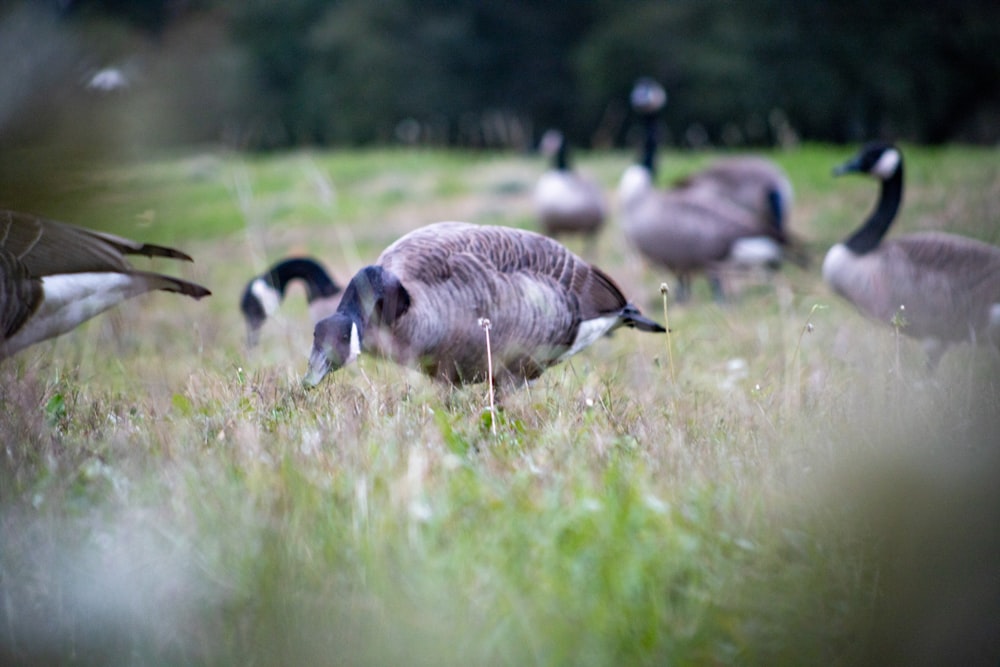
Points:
[(801, 495)]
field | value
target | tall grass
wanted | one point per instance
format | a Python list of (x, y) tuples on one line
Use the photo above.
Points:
[(788, 493)]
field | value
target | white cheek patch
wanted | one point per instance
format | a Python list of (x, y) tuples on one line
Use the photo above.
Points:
[(268, 297), (590, 331), (355, 349), (887, 164)]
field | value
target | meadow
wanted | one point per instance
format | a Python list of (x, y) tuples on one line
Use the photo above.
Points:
[(793, 489)]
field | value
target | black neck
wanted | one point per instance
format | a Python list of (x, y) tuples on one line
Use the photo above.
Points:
[(868, 236), (561, 158), (318, 283), (649, 143), (374, 294)]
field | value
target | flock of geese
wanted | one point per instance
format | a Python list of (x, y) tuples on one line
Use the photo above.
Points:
[(434, 296)]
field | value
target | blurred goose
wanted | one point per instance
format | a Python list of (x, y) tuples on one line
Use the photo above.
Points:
[(422, 304), (565, 201), (54, 276), (762, 190), (693, 229), (945, 287), (264, 293)]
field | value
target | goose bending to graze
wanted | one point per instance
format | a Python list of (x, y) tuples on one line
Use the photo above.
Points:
[(764, 193), (422, 304), (947, 286), (565, 201), (692, 229), (264, 293), (54, 276)]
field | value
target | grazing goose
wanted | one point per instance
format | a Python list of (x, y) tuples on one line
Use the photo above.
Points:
[(264, 293), (565, 201), (692, 229), (422, 302), (762, 190), (948, 286), (54, 276)]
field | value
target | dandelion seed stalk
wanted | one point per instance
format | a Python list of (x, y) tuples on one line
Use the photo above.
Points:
[(484, 322), (665, 290)]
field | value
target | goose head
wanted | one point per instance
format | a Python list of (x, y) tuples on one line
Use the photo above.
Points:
[(336, 343), (260, 300), (373, 297), (878, 159), (648, 97)]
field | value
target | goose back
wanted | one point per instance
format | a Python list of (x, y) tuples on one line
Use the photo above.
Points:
[(681, 232), (757, 185), (534, 292)]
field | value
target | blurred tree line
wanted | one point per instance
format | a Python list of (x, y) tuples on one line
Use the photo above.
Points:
[(270, 73)]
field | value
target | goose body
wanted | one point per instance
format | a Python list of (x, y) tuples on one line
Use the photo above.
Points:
[(264, 293), (423, 302), (686, 235), (756, 185), (945, 287), (55, 276), (731, 213), (565, 201)]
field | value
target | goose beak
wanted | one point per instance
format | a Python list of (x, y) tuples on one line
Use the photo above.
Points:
[(849, 167), (319, 366)]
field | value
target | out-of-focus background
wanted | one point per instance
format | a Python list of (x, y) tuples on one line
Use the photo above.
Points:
[(262, 74)]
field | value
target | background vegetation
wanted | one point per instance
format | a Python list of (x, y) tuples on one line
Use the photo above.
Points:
[(801, 493), (265, 74)]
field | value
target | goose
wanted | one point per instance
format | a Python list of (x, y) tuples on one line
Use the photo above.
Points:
[(264, 293), (425, 300), (54, 276), (690, 229), (763, 191), (946, 287), (565, 201), (756, 184)]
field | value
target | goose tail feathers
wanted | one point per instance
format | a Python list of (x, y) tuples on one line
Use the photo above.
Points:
[(156, 281)]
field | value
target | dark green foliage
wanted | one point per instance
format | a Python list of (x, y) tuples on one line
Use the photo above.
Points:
[(449, 72)]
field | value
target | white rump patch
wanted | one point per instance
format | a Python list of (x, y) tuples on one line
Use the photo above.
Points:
[(355, 349), (72, 299), (589, 331), (755, 251), (887, 164), (268, 297)]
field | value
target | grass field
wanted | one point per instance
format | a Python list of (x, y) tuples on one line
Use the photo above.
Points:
[(800, 492)]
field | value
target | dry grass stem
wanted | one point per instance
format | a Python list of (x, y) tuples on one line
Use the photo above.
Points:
[(484, 322)]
